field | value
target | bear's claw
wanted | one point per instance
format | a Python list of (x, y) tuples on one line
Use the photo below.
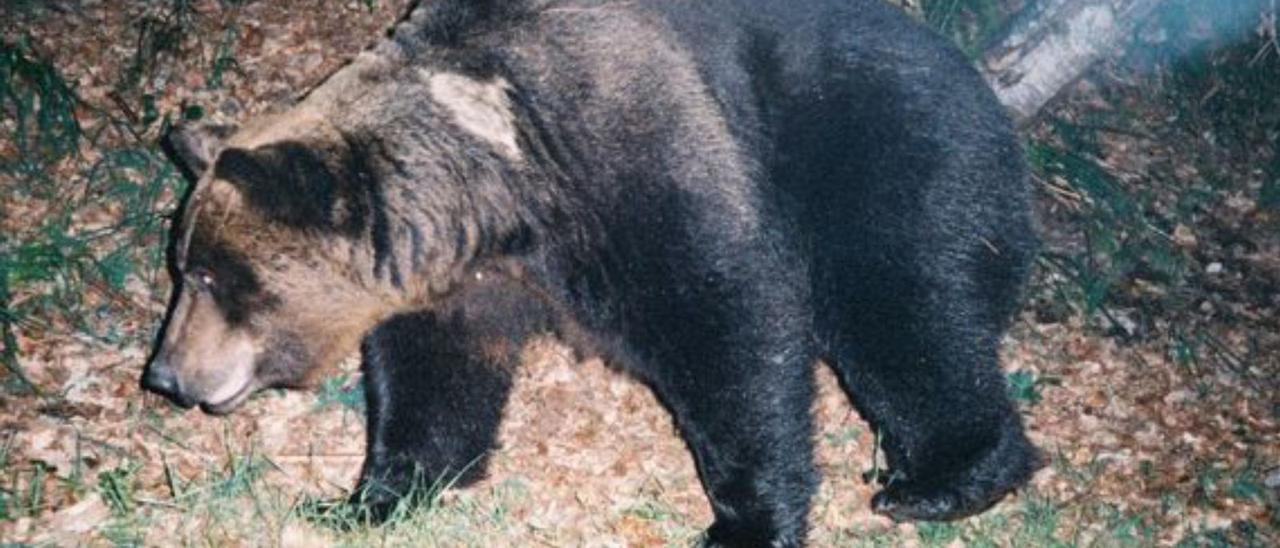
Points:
[(906, 501)]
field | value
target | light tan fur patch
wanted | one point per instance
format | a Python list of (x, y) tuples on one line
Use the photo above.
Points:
[(480, 108), (300, 121), (213, 361)]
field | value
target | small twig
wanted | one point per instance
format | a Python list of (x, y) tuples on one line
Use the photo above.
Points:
[(170, 477), (1101, 165), (166, 437), (1213, 92), (990, 246), (272, 461), (121, 299), (26, 322), (302, 458), (124, 107), (1054, 261), (110, 447), (1229, 358), (1137, 134), (1125, 335), (154, 502), (1267, 31), (1064, 195), (1074, 275)]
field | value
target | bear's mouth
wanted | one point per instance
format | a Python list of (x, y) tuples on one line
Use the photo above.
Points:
[(231, 403)]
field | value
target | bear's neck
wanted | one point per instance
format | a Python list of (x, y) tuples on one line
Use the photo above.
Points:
[(456, 175), (437, 207)]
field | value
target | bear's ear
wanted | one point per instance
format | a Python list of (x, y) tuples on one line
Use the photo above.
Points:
[(193, 148)]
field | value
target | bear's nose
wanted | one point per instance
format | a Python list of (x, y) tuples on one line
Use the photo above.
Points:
[(161, 379)]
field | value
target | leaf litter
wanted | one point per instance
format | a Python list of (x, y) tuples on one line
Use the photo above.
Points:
[(1144, 442)]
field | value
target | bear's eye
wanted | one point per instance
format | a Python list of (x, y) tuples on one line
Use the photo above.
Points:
[(202, 278)]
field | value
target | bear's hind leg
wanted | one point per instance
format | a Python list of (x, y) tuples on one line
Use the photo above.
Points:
[(919, 361), (436, 384)]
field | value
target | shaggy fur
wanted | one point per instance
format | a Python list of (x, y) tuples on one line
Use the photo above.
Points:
[(712, 194)]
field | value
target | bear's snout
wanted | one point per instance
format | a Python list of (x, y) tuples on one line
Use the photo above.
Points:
[(161, 379), (216, 372)]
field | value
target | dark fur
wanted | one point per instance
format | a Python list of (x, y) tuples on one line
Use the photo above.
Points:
[(238, 292), (713, 194), (435, 384)]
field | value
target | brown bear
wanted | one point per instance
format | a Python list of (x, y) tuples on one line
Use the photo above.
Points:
[(712, 195)]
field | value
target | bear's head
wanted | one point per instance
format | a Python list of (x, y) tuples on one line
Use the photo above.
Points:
[(272, 268)]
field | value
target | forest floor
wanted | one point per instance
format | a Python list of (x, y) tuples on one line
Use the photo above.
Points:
[(1146, 361)]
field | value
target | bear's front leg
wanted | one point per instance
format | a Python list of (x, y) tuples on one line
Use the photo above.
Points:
[(747, 421), (435, 386)]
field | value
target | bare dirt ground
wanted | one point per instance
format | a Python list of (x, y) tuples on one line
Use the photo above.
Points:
[(1146, 448)]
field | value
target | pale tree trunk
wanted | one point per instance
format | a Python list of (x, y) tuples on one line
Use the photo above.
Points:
[(1051, 45)]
